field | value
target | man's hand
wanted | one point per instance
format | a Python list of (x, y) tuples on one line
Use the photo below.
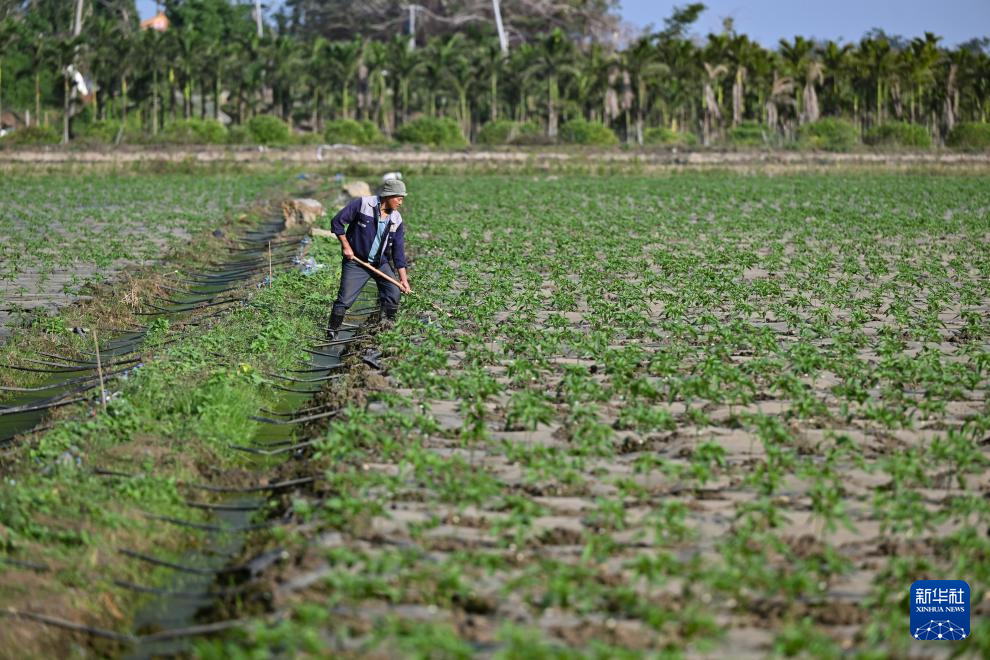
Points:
[(404, 286), (345, 248)]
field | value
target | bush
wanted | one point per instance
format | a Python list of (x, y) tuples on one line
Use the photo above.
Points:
[(970, 136), (530, 134), (579, 131), (661, 135), (101, 130), (238, 135), (349, 131), (33, 135), (195, 131), (898, 134), (500, 131), (265, 129), (436, 132), (747, 134), (829, 134)]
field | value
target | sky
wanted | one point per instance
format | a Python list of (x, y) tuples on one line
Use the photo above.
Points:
[(767, 21)]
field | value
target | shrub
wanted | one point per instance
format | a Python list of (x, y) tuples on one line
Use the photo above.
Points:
[(580, 131), (898, 134), (102, 130), (662, 135), (195, 131), (33, 135), (500, 131), (238, 135), (970, 136), (266, 129), (530, 134), (829, 134), (747, 134), (349, 131), (437, 132)]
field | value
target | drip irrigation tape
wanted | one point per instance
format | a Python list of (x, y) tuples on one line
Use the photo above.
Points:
[(253, 489), (295, 420), (194, 570), (189, 595), (274, 452), (321, 379), (206, 527), (45, 371), (47, 363), (100, 472), (69, 625), (24, 409), (65, 383), (294, 412), (20, 563), (289, 389), (55, 356), (223, 507)]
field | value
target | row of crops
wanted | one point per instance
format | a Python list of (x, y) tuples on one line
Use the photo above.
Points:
[(60, 232), (701, 413)]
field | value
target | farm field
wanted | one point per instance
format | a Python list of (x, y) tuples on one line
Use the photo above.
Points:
[(61, 232), (700, 414)]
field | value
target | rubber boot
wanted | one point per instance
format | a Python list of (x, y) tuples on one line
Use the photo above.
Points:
[(389, 317), (334, 325)]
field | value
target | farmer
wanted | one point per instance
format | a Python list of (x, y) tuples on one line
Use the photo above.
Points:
[(374, 234)]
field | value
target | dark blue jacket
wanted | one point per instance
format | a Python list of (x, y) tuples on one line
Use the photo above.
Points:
[(361, 217)]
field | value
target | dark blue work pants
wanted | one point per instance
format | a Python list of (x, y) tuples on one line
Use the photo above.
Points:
[(354, 276)]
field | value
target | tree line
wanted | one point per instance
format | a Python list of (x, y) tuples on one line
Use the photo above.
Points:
[(211, 63)]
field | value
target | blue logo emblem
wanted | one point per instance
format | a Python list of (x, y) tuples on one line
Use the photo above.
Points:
[(940, 610)]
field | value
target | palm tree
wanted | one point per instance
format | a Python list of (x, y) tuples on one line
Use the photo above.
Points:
[(805, 70), (781, 95), (405, 64), (491, 61), (553, 60), (151, 56), (919, 62), (837, 63), (64, 53), (713, 114), (640, 61), (345, 60), (441, 55), (8, 39), (876, 62)]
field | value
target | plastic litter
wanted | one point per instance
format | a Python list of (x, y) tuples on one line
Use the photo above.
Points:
[(309, 266)]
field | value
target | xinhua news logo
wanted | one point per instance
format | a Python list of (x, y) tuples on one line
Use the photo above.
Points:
[(940, 610)]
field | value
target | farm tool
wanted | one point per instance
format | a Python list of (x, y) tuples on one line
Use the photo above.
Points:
[(389, 278)]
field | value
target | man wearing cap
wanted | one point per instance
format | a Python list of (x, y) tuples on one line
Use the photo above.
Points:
[(374, 233)]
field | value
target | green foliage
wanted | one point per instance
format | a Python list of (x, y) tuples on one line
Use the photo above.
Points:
[(33, 135), (747, 134), (195, 131), (660, 135), (969, 136), (898, 134), (497, 132), (431, 131), (349, 131), (102, 130), (266, 129), (238, 135), (828, 134), (581, 131)]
